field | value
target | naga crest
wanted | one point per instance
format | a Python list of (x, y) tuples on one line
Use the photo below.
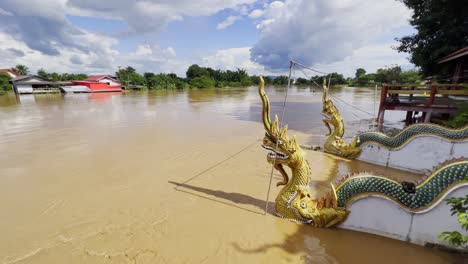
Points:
[(284, 150), (335, 125), (294, 201)]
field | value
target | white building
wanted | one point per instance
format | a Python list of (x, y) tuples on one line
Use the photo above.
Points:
[(35, 84)]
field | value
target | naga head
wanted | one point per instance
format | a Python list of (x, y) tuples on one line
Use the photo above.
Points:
[(323, 212), (284, 150)]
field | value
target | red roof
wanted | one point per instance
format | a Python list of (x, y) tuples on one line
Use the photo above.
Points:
[(10, 71), (96, 78), (457, 54)]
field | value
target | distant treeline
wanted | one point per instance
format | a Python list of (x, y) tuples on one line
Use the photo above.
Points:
[(206, 77)]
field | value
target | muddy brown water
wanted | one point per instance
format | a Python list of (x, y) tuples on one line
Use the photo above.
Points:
[(170, 177)]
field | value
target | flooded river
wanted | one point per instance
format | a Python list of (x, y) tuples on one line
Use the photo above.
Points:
[(171, 177)]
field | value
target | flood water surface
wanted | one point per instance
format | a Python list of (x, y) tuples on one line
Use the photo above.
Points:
[(169, 177)]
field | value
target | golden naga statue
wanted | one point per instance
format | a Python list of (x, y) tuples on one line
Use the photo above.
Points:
[(335, 143), (294, 201)]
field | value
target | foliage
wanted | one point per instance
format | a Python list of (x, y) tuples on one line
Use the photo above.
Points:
[(21, 69), (459, 207), (442, 28), (360, 72), (56, 77), (202, 82), (5, 82), (201, 77), (302, 81), (334, 79), (460, 119), (388, 74), (163, 81), (411, 76), (196, 71), (366, 79), (280, 80), (129, 76)]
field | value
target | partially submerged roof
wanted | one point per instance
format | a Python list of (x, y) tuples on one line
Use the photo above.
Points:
[(9, 71), (33, 79), (24, 78), (454, 55), (96, 78)]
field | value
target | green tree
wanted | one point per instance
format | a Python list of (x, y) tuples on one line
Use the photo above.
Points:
[(21, 69), (336, 78), (442, 28), (42, 73), (366, 79), (129, 76), (202, 82), (196, 71), (360, 72), (459, 207), (411, 76), (280, 80), (4, 82), (389, 74), (302, 81)]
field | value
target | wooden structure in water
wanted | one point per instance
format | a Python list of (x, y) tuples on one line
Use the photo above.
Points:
[(414, 99)]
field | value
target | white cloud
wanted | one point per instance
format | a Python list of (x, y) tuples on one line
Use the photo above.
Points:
[(227, 22), (231, 59), (256, 13), (371, 58), (329, 34), (323, 31), (43, 37), (4, 12), (152, 15)]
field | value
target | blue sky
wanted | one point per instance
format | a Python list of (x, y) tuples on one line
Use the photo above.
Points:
[(167, 36)]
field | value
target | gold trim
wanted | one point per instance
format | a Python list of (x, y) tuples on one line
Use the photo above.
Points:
[(438, 170), (388, 179), (426, 124), (372, 142)]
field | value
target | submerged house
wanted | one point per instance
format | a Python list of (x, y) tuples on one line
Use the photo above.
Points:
[(93, 84), (27, 84)]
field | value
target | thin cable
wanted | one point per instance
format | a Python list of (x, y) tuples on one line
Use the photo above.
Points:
[(356, 115), (307, 67), (310, 78), (334, 97), (277, 141)]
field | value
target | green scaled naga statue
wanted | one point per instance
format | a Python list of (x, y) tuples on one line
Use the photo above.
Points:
[(335, 143), (294, 201)]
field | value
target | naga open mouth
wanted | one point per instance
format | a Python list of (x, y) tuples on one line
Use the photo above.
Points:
[(275, 154)]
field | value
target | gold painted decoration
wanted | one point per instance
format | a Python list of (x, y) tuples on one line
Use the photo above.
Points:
[(294, 201), (335, 125)]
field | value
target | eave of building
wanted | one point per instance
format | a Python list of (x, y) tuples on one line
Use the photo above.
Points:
[(455, 55)]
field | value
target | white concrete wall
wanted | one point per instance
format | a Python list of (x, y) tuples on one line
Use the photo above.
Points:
[(380, 216), (110, 81), (422, 154), (24, 88)]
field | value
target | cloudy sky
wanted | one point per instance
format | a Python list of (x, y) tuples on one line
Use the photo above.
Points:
[(98, 36)]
